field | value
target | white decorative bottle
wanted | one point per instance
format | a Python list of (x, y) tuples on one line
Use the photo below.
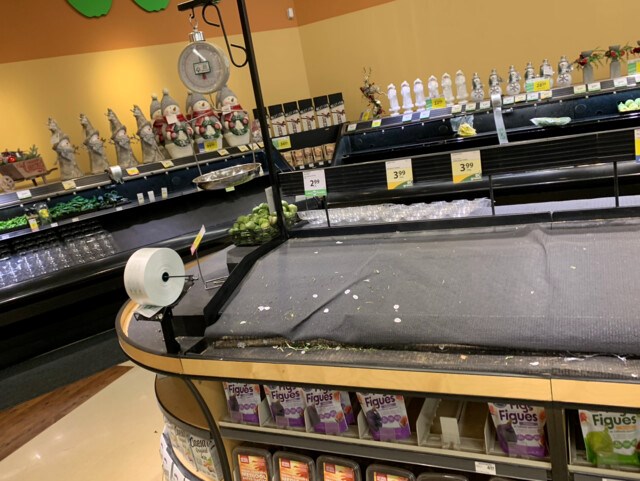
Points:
[(418, 91), (407, 104), (392, 95)]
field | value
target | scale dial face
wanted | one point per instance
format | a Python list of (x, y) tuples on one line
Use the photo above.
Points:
[(203, 67)]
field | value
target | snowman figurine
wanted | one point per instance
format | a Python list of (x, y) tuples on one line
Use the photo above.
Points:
[(392, 95), (494, 83), (206, 124), (529, 72), (418, 91), (235, 120), (513, 86), (176, 130), (477, 94)]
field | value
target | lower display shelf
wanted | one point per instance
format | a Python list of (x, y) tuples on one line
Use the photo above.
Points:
[(396, 452), (588, 473)]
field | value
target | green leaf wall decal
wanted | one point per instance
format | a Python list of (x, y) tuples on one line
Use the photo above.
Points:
[(152, 5), (91, 8)]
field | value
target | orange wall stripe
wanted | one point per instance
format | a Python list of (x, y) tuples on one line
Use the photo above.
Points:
[(36, 29)]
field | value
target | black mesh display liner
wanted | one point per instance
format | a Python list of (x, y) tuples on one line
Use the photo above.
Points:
[(555, 288)]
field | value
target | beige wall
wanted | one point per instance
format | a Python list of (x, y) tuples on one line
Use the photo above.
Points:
[(406, 39), (63, 87)]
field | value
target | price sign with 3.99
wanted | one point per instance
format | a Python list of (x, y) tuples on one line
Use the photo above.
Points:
[(399, 174), (315, 184), (466, 166)]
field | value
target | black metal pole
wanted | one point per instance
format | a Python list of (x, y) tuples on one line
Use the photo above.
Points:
[(257, 92)]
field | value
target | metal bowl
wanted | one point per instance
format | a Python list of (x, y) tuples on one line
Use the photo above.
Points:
[(228, 177)]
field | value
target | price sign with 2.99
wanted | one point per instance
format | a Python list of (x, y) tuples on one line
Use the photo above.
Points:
[(466, 166), (399, 174), (315, 184)]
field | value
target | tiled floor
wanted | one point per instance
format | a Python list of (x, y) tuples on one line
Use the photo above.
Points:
[(113, 435)]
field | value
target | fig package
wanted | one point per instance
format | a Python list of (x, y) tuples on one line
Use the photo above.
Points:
[(386, 415), (611, 439), (520, 429), (286, 404), (243, 401)]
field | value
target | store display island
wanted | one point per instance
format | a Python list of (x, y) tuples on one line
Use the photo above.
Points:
[(523, 304)]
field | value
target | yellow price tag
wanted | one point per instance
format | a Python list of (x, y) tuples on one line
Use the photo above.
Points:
[(637, 139), (466, 166), (541, 85), (243, 148), (376, 123), (439, 103), (399, 174), (212, 145), (33, 223), (167, 163), (282, 143), (133, 171), (223, 152), (198, 239), (69, 184)]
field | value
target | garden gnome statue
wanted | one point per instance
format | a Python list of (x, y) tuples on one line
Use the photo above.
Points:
[(235, 120), (95, 146), (447, 89), (407, 103), (205, 123), (121, 141), (513, 86), (461, 87), (494, 83), (66, 152), (176, 130), (392, 95), (418, 91), (432, 85), (150, 149), (477, 92)]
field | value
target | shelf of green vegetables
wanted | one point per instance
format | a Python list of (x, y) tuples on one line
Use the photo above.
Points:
[(261, 225), (63, 210)]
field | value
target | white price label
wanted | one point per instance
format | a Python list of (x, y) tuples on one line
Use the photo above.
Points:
[(118, 209), (23, 194), (508, 100), (532, 96), (456, 109), (580, 89), (547, 94), (610, 479), (140, 198), (166, 163), (75, 219), (315, 183), (425, 114), (620, 82), (485, 468), (165, 193), (152, 196), (594, 87), (223, 152), (485, 104), (352, 127), (243, 148), (407, 117), (399, 174), (54, 224), (312, 165), (521, 98), (471, 106), (229, 189)]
